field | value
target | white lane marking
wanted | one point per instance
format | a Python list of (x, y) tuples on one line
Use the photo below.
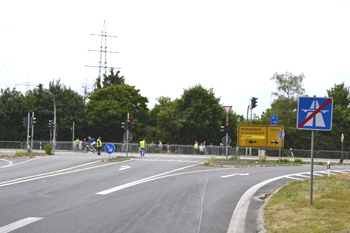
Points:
[(120, 187), (18, 224), (236, 174), (123, 168), (302, 175), (15, 164), (51, 174), (10, 163), (293, 178), (238, 220)]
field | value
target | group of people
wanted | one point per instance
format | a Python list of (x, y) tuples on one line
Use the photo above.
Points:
[(144, 145), (202, 149), (90, 142)]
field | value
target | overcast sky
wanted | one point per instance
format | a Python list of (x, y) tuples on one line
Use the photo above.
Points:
[(164, 47)]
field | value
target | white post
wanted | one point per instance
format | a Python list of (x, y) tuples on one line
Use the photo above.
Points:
[(329, 168)]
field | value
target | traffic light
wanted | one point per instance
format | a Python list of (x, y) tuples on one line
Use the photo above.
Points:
[(32, 120), (51, 124), (253, 102), (128, 124), (131, 125), (123, 125), (40, 90), (226, 127), (25, 122)]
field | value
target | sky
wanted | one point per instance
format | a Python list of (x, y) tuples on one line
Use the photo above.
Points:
[(233, 47)]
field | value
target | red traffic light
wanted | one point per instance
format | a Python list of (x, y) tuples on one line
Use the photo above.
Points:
[(226, 123), (128, 120)]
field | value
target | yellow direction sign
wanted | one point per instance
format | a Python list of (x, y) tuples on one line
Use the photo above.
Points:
[(260, 136)]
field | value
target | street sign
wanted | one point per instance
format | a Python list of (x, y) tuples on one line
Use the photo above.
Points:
[(315, 113), (280, 134), (127, 137), (109, 148), (229, 140), (260, 136), (273, 119), (227, 109)]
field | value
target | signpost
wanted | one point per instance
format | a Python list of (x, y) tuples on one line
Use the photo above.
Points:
[(260, 136), (227, 110), (273, 119), (314, 113), (109, 148)]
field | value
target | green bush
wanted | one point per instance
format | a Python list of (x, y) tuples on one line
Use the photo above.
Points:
[(298, 161), (48, 149), (283, 161)]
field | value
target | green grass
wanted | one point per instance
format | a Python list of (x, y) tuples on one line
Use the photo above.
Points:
[(289, 210)]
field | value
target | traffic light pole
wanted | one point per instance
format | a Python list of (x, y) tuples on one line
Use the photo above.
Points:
[(127, 136), (28, 124), (32, 136), (54, 120)]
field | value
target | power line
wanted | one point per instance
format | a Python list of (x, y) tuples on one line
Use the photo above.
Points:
[(103, 50)]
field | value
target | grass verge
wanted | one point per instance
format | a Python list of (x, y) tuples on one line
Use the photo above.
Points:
[(289, 210)]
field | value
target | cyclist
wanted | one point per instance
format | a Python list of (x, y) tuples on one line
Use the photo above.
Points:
[(91, 142)]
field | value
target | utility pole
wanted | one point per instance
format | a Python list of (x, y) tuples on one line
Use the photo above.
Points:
[(103, 50)]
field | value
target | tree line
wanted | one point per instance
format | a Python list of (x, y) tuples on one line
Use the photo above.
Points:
[(196, 116)]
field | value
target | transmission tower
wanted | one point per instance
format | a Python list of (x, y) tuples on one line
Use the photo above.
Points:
[(103, 52)]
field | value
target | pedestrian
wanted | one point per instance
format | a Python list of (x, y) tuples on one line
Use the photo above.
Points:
[(99, 145), (205, 148), (142, 147), (152, 147), (201, 149), (160, 146), (77, 142), (221, 149), (195, 147), (210, 149), (83, 144)]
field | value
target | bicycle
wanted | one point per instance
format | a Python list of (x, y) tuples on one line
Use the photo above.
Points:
[(89, 148)]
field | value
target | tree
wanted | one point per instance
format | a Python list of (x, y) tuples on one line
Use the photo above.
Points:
[(289, 88), (340, 94), (197, 116), (70, 107), (109, 106), (330, 140), (110, 80), (11, 115)]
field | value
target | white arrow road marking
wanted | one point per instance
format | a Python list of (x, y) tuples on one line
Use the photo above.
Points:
[(123, 168), (236, 174), (18, 224)]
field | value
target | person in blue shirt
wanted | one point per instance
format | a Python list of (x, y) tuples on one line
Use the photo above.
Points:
[(91, 142)]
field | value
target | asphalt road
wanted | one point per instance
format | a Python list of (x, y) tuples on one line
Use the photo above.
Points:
[(80, 193)]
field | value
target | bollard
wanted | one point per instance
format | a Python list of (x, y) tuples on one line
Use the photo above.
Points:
[(329, 168)]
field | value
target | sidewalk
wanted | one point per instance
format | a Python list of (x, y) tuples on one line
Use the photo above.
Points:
[(12, 152)]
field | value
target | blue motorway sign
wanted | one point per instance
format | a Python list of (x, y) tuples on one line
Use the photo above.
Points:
[(109, 148), (273, 119), (315, 113)]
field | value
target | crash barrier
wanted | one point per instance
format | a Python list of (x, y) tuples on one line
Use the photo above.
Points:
[(214, 150)]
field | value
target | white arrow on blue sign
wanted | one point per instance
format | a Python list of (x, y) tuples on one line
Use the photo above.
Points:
[(273, 119), (315, 113), (109, 148)]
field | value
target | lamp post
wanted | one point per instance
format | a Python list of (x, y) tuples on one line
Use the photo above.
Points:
[(54, 120)]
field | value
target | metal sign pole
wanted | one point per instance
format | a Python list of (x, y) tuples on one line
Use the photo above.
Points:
[(312, 166), (31, 144), (226, 138), (28, 124)]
